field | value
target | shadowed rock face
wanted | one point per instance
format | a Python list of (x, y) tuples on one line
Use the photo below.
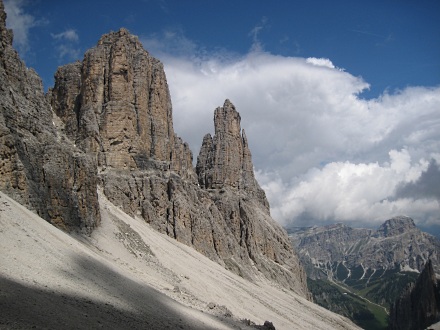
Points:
[(419, 305), (38, 166), (111, 125)]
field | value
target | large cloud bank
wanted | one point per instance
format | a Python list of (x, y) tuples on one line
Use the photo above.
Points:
[(321, 151)]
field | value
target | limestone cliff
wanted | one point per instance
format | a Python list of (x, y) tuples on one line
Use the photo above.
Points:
[(225, 170), (115, 105), (38, 166), (225, 160)]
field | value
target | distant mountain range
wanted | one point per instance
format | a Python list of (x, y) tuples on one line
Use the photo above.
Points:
[(371, 266)]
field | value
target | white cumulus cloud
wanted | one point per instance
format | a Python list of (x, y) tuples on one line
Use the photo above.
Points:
[(66, 44), (320, 62), (20, 22), (69, 34), (351, 192)]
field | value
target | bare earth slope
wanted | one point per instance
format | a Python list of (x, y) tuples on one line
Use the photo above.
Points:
[(129, 275)]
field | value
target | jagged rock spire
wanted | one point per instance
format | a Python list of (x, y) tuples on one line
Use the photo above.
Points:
[(220, 160), (225, 159)]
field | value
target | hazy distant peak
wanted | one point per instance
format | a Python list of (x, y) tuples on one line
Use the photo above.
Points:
[(395, 226)]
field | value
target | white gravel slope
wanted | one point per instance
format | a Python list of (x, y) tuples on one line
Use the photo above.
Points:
[(127, 275)]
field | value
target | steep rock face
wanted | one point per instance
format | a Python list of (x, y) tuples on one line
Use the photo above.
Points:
[(396, 226), (118, 102), (38, 167), (419, 305), (320, 247), (225, 170), (225, 160), (64, 97)]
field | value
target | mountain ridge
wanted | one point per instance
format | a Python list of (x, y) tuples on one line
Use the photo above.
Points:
[(340, 243), (360, 272)]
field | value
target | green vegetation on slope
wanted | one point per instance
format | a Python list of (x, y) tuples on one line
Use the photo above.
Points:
[(335, 298)]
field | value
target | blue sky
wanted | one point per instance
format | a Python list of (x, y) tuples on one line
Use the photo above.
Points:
[(391, 44), (347, 91)]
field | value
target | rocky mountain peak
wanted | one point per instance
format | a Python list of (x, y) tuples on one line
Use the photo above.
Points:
[(225, 160), (116, 104), (6, 34), (122, 33), (227, 120), (380, 263), (396, 244), (221, 158), (396, 226)]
